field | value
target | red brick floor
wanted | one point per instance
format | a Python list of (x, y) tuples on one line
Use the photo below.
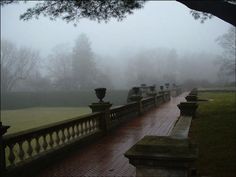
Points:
[(105, 157)]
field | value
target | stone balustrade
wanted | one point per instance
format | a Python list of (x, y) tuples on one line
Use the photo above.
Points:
[(32, 149)]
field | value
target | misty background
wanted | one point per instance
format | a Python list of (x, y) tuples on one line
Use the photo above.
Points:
[(157, 44)]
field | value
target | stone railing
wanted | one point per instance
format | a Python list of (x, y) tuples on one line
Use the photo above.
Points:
[(121, 113), (32, 149), (173, 155), (24, 147), (148, 103)]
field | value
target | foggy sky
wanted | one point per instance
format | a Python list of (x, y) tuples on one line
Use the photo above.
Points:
[(159, 24)]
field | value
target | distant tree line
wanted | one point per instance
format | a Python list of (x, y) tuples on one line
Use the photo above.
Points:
[(23, 70), (76, 68)]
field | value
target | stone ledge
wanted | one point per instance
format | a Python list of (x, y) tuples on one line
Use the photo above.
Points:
[(162, 151), (181, 128)]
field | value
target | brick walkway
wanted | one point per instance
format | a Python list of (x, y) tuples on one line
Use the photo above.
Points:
[(105, 157)]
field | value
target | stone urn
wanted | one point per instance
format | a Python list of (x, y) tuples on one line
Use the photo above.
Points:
[(3, 129), (191, 98), (167, 85), (136, 90), (161, 87), (152, 88), (100, 93)]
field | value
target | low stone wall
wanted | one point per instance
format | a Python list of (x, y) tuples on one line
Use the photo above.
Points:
[(165, 156)]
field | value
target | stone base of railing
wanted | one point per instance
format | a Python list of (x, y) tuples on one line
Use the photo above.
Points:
[(100, 107), (159, 156)]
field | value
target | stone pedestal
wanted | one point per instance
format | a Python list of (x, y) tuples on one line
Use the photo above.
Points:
[(193, 92), (162, 156), (138, 99), (103, 107), (191, 98), (100, 107), (188, 108)]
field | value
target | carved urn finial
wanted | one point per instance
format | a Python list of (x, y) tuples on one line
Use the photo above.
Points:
[(161, 87), (167, 85), (152, 88), (100, 93), (136, 90)]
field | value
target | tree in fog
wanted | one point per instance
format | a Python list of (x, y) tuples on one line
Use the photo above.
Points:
[(197, 67), (83, 64), (76, 69), (60, 68), (36, 82), (105, 10), (171, 67), (227, 60), (146, 67), (16, 64), (153, 66)]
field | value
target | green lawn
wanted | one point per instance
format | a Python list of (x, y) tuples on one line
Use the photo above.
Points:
[(214, 129), (22, 119)]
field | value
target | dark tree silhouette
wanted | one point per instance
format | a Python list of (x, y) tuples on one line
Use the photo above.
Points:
[(105, 10), (224, 9)]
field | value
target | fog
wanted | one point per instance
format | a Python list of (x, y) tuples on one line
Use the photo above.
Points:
[(158, 43)]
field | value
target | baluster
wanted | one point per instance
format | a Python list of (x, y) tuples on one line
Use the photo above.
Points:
[(37, 145), (78, 129), (68, 133), (83, 128), (63, 136), (89, 126), (73, 131), (45, 143), (30, 149), (87, 123), (92, 124), (57, 138), (51, 141), (11, 156), (21, 153)]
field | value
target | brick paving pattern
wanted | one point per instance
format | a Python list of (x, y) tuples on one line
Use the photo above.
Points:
[(105, 157)]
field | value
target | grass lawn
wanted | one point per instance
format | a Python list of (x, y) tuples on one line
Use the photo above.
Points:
[(22, 119), (214, 129)]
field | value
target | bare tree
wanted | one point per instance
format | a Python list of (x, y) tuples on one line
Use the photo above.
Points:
[(16, 64), (60, 68), (228, 59)]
